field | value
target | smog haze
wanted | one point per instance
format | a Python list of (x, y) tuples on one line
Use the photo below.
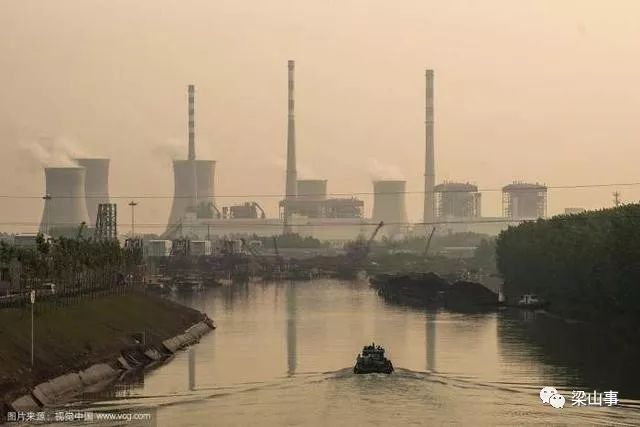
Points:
[(540, 91)]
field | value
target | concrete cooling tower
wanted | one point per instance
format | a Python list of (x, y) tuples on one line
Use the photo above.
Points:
[(193, 188), (96, 184), (389, 202), (205, 177), (184, 193), (65, 206)]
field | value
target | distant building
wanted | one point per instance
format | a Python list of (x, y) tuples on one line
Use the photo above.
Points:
[(574, 211), (27, 239)]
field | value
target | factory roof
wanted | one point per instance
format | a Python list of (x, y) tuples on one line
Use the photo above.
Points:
[(519, 186), (455, 186)]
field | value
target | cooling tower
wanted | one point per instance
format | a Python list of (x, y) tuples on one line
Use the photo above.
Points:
[(96, 184), (389, 202), (183, 190), (193, 179), (65, 206), (205, 177), (312, 189)]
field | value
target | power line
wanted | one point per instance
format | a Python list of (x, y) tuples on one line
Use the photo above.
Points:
[(229, 223), (357, 193)]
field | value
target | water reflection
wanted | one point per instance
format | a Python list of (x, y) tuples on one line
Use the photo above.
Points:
[(585, 356), (284, 353), (291, 328), (192, 368), (430, 340)]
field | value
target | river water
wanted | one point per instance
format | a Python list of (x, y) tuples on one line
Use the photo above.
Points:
[(283, 355)]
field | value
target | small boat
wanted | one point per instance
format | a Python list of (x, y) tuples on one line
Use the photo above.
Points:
[(372, 360), (531, 302)]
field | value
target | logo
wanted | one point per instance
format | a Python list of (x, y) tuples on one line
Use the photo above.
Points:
[(550, 396)]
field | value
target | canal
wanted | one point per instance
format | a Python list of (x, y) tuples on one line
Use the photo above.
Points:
[(283, 355)]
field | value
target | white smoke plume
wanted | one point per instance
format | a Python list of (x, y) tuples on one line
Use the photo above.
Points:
[(173, 148), (177, 149), (382, 171), (53, 151), (305, 171)]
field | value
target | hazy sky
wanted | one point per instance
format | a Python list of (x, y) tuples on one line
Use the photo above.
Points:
[(536, 90)]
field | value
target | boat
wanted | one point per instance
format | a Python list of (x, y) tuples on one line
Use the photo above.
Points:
[(531, 301), (372, 360)]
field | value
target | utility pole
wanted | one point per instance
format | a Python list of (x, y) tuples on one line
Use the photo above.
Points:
[(32, 297), (46, 198), (616, 198), (133, 217)]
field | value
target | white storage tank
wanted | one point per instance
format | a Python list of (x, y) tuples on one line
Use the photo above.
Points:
[(158, 248), (200, 247)]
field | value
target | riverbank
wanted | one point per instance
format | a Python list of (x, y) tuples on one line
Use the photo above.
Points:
[(74, 337)]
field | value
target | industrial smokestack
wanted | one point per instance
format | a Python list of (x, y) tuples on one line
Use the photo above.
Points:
[(429, 165), (193, 179), (96, 184), (292, 175), (389, 202), (192, 125), (65, 204)]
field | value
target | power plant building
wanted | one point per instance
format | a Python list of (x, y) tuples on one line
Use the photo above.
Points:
[(457, 200), (521, 200)]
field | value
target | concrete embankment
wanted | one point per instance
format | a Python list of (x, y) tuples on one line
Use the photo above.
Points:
[(83, 347)]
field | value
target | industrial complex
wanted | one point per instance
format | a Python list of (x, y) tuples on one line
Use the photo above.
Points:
[(80, 194)]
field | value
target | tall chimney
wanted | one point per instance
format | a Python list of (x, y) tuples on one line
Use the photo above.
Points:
[(192, 132), (193, 203), (291, 189), (429, 165)]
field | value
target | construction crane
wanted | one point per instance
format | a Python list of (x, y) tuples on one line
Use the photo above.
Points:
[(426, 247), (359, 250), (215, 208), (257, 206), (275, 246), (279, 259), (81, 229), (367, 248)]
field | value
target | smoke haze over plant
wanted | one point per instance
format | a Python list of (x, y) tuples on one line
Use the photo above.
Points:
[(540, 91)]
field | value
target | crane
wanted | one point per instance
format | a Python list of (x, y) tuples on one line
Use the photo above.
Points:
[(367, 248), (215, 208), (426, 248), (257, 206), (358, 251)]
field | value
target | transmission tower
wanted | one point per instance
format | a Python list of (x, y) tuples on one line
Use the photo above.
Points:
[(107, 222)]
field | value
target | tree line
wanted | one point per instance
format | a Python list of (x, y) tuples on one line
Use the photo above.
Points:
[(586, 265), (74, 265)]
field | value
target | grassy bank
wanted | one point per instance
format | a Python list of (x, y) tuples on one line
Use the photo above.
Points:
[(76, 336)]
